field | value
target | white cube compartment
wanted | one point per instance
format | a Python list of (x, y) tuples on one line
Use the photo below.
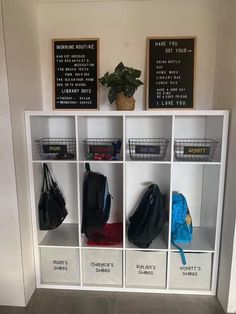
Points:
[(114, 174), (195, 275), (138, 177), (65, 174), (50, 127), (60, 266), (102, 267), (200, 127), (153, 127), (99, 127), (145, 269), (199, 183)]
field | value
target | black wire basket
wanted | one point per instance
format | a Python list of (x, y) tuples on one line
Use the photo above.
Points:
[(195, 149), (148, 148), (51, 148), (102, 148)]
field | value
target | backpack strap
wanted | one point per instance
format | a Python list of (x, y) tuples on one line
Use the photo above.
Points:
[(87, 167), (181, 252)]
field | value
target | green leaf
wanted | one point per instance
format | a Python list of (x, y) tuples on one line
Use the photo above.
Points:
[(131, 80), (112, 95), (139, 83), (104, 79), (129, 90), (120, 68), (113, 80), (136, 73)]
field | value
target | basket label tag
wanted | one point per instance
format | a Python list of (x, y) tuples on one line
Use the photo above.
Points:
[(54, 149), (147, 149), (196, 150)]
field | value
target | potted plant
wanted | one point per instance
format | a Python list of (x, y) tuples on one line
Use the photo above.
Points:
[(122, 84)]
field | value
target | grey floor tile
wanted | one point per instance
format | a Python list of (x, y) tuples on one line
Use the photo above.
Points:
[(12, 310), (92, 302), (146, 304)]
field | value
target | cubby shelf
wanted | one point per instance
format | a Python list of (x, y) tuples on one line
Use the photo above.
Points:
[(203, 241), (84, 245), (63, 258), (159, 244), (65, 235)]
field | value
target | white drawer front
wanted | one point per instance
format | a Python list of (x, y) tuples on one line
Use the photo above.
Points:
[(195, 275), (102, 267), (145, 269), (60, 266)]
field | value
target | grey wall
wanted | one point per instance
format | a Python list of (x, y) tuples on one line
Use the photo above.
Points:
[(225, 98)]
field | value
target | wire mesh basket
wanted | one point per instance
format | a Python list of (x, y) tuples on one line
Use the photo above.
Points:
[(56, 148), (102, 148), (148, 148), (197, 149)]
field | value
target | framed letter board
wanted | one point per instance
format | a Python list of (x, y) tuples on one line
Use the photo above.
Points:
[(170, 73), (75, 73)]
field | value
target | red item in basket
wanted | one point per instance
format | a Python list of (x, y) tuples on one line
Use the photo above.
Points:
[(110, 234)]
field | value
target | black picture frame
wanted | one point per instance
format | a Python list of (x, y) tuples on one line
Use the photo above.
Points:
[(75, 74), (170, 73)]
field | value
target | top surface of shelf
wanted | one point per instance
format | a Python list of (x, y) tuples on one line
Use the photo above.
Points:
[(65, 235), (130, 113)]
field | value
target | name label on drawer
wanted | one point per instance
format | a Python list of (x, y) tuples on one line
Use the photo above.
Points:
[(145, 269), (54, 149), (190, 271), (147, 149), (196, 150), (102, 267), (60, 265)]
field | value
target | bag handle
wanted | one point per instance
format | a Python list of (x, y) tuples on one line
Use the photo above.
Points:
[(45, 179), (87, 167), (50, 183)]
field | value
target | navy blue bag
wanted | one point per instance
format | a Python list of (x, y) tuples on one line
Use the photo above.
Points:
[(96, 202), (148, 219)]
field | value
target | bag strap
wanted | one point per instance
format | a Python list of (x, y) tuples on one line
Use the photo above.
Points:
[(181, 252), (45, 179), (87, 167), (50, 183)]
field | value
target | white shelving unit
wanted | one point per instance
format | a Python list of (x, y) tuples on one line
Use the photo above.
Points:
[(63, 258)]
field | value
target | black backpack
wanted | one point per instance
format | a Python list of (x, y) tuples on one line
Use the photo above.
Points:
[(148, 219), (96, 202)]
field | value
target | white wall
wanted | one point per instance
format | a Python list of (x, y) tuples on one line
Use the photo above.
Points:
[(225, 97), (123, 27), (11, 276), (24, 87)]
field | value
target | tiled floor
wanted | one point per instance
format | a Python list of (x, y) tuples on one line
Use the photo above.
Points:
[(75, 302)]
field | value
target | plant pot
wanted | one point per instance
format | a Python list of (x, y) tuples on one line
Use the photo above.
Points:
[(124, 103)]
